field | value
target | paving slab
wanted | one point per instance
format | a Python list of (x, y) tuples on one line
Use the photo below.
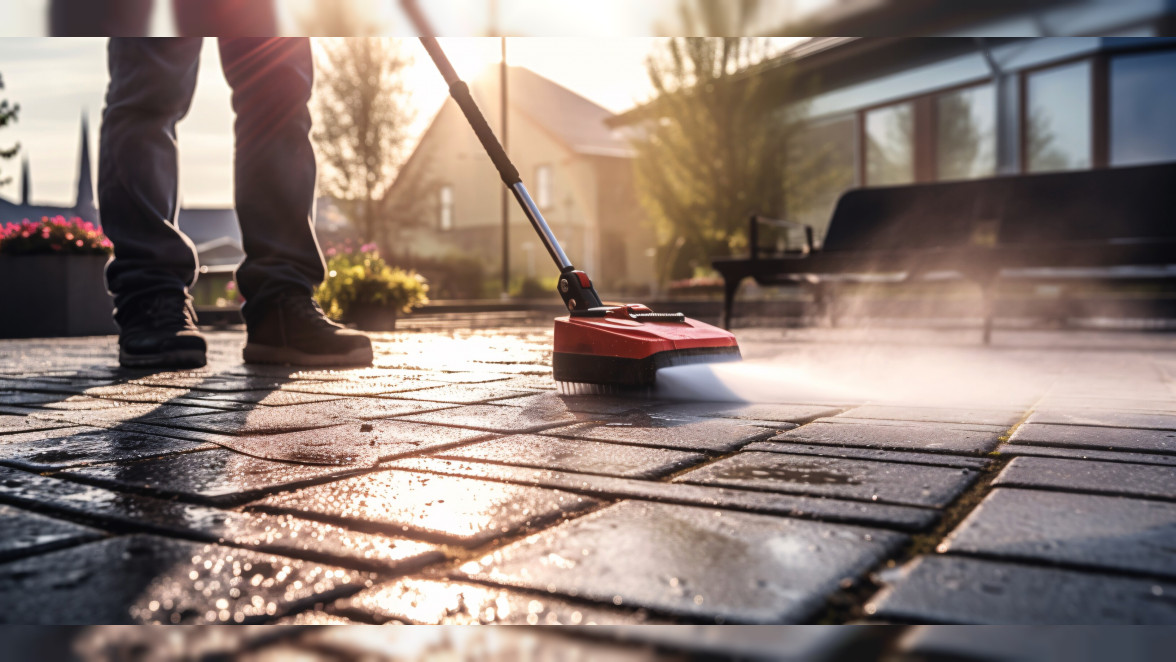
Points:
[(81, 446), (668, 431), (28, 398), (12, 424), (925, 425), (1106, 418), (884, 482), (906, 518), (1016, 450), (148, 579), (1090, 531), (72, 402), (904, 457), (264, 420), (771, 413), (141, 393), (586, 404), (126, 414), (462, 394), (578, 456), (936, 438), (498, 418), (364, 387), (420, 600), (266, 398), (217, 476), (1093, 437), (694, 562), (949, 589), (273, 533), (999, 417), (1133, 480), (27, 533), (431, 507), (1017, 643)]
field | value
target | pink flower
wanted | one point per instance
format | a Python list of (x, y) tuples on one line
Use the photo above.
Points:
[(78, 242)]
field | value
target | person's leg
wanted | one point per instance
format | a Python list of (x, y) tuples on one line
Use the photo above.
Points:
[(151, 87), (274, 181), (275, 167), (226, 18), (99, 18)]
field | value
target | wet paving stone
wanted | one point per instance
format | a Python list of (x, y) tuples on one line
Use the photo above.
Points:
[(265, 420), (27, 533), (694, 562), (282, 534), (125, 414), (11, 424), (795, 414), (1090, 477), (905, 457), (834, 510), (578, 455), (265, 398), (217, 476), (461, 394), (936, 438), (355, 443), (947, 589), (496, 418), (585, 404), (1106, 418), (81, 446), (439, 508), (1090, 531), (148, 579), (418, 600), (365, 387), (366, 409), (27, 399), (681, 432), (997, 417), (76, 402), (1100, 438), (885, 482), (1018, 450), (136, 393)]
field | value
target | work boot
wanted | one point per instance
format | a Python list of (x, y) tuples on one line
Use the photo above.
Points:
[(292, 330), (159, 331)]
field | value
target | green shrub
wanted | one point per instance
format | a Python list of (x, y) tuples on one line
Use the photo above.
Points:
[(363, 278)]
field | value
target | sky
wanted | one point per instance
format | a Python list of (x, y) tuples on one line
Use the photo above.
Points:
[(55, 81)]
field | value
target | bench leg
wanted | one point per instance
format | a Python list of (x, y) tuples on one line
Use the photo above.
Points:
[(730, 287)]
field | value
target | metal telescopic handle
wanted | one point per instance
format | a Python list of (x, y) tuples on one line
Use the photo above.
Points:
[(461, 94)]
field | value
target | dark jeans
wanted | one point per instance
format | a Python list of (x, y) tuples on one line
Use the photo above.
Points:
[(130, 18), (151, 87)]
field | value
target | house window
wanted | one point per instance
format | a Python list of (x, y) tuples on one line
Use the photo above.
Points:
[(445, 218), (890, 145), (543, 186), (1143, 108), (1058, 118), (820, 168), (965, 133)]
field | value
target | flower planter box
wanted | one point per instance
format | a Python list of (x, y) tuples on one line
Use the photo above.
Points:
[(373, 318), (54, 295)]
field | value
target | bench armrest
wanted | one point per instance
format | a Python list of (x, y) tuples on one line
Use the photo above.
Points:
[(753, 233)]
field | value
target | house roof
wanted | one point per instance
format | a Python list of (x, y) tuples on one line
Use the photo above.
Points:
[(573, 119), (205, 225)]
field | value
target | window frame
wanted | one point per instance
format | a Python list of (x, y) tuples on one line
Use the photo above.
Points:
[(1099, 115)]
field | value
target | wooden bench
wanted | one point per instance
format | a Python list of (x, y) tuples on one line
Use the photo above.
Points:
[(984, 230)]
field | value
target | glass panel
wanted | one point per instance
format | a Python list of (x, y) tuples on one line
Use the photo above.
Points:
[(446, 220), (820, 169), (966, 133), (1058, 108), (1143, 108), (890, 146)]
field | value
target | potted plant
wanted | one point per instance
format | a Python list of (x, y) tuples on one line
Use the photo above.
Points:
[(52, 276), (364, 290)]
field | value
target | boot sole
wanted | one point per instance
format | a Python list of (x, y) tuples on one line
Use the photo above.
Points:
[(254, 353), (180, 358)]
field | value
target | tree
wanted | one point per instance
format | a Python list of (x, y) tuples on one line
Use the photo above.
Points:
[(8, 114), (715, 148)]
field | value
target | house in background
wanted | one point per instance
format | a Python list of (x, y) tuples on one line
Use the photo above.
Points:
[(577, 169), (890, 111)]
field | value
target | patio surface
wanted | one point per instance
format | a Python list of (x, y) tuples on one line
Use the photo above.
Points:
[(886, 476)]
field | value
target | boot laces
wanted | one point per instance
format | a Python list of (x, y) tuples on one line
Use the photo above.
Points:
[(304, 307), (170, 311)]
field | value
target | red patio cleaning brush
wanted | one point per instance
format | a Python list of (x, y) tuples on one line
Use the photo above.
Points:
[(596, 345)]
